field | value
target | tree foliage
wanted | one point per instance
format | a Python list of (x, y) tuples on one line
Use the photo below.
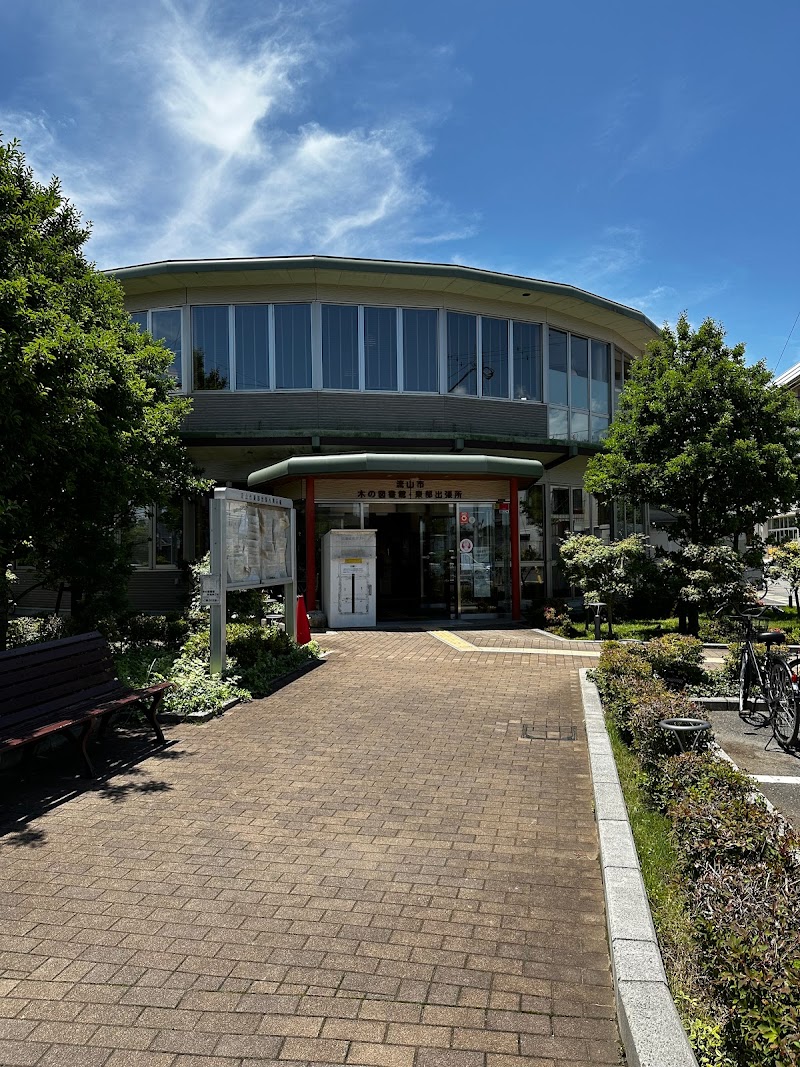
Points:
[(783, 561), (606, 572), (702, 435), (89, 423)]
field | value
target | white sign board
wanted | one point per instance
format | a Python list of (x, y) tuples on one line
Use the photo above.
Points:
[(210, 590)]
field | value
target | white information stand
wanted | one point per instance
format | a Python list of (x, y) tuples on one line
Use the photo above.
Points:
[(252, 547), (349, 578)]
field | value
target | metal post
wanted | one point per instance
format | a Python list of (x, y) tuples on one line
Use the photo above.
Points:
[(218, 611), (311, 554), (290, 589), (516, 584)]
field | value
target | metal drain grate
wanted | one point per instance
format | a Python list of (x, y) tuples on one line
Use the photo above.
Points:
[(532, 731)]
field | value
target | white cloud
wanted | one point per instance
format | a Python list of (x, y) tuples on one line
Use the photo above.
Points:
[(225, 157)]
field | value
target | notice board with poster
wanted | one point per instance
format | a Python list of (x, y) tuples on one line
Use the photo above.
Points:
[(252, 547)]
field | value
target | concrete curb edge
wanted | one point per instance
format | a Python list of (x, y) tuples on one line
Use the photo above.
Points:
[(650, 1027)]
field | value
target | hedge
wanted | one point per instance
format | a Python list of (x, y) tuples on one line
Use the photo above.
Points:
[(738, 868)]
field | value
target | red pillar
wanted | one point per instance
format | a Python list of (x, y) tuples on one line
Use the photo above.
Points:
[(516, 584), (311, 557)]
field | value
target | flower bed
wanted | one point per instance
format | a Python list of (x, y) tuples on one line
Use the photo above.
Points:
[(730, 935)]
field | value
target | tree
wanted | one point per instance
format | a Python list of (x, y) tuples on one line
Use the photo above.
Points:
[(606, 572), (783, 561), (702, 435), (89, 423)]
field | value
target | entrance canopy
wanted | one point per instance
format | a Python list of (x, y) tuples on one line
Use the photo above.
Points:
[(526, 471)]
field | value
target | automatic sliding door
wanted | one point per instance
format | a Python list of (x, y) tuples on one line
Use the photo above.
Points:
[(438, 551)]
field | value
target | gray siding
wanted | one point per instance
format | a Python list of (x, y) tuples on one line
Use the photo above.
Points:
[(341, 414), (154, 592)]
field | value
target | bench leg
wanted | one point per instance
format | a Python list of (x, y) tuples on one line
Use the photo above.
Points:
[(85, 736), (151, 711)]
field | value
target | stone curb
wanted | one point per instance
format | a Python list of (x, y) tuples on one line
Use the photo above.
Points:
[(649, 1024)]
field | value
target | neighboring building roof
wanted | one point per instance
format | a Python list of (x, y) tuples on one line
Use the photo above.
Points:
[(790, 377), (382, 273), (527, 471)]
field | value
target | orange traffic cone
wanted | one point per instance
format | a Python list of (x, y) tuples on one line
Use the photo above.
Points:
[(303, 630)]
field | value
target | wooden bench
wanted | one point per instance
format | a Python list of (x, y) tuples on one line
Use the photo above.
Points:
[(56, 686)]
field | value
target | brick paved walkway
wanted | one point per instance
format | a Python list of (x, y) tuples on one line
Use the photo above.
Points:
[(371, 867)]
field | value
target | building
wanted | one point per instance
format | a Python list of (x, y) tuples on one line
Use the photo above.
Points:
[(449, 408), (784, 527)]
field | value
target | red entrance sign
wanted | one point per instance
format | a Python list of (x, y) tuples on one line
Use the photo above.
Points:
[(464, 517)]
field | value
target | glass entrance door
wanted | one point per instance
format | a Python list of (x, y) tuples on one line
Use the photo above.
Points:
[(484, 559), (438, 561)]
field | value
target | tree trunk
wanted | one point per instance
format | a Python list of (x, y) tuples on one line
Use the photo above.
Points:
[(797, 599), (610, 629), (693, 620)]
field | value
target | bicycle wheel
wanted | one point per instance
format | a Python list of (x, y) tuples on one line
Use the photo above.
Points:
[(746, 713), (783, 704)]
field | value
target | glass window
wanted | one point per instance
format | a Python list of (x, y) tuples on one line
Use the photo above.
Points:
[(599, 427), (601, 373), (380, 348), (580, 426), (165, 325), (252, 346), (156, 537), (420, 350), (139, 537), (210, 347), (494, 357), (140, 318), (169, 534), (462, 354), (292, 346), (527, 361), (558, 424), (339, 346), (557, 375), (579, 362)]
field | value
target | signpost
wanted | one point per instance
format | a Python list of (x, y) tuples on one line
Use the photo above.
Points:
[(252, 546)]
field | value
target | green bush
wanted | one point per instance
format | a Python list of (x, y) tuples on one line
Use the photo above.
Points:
[(139, 629), (650, 741), (33, 629), (195, 689), (746, 924), (676, 659), (738, 873), (263, 653)]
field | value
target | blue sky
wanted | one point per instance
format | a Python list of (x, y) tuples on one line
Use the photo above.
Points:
[(648, 153)]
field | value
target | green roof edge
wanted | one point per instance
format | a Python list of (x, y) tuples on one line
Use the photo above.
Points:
[(377, 266), (526, 470)]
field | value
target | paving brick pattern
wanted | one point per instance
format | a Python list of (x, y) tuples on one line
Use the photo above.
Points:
[(371, 867)]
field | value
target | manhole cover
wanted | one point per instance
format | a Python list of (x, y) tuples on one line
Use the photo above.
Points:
[(561, 731)]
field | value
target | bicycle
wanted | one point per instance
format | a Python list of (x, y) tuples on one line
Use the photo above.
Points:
[(773, 677)]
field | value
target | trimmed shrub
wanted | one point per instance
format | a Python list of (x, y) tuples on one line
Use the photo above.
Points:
[(262, 653), (738, 872), (676, 659)]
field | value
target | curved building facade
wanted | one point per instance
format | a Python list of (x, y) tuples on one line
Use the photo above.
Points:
[(292, 362)]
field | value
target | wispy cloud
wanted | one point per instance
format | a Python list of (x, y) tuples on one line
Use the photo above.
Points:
[(654, 127), (617, 250), (225, 155)]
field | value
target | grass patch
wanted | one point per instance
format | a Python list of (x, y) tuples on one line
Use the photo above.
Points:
[(658, 857)]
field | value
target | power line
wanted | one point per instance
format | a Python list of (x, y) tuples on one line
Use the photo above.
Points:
[(788, 339)]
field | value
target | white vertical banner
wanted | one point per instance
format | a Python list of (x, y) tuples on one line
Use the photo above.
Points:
[(252, 547)]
